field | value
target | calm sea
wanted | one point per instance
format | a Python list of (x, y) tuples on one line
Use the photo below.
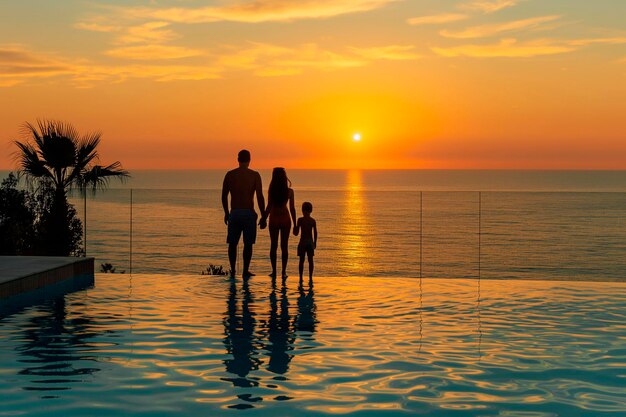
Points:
[(568, 225)]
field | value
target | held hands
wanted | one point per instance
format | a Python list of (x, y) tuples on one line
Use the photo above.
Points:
[(263, 223)]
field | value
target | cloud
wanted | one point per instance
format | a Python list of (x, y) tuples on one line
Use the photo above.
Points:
[(89, 75), (484, 31), (437, 19), (16, 61), (18, 65), (277, 72), (512, 48), (506, 48), (9, 82), (161, 73), (272, 60), (251, 56), (492, 6), (591, 41), (391, 52), (257, 11), (97, 27), (153, 52), (151, 32), (311, 56)]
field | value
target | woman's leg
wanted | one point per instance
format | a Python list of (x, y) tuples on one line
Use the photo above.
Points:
[(284, 247), (274, 231)]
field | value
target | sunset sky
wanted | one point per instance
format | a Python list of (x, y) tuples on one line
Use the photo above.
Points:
[(427, 83)]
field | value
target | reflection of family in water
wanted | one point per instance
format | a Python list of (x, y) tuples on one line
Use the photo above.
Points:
[(248, 338)]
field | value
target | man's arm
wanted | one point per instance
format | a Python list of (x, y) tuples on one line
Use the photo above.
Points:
[(258, 189), (225, 191), (314, 234)]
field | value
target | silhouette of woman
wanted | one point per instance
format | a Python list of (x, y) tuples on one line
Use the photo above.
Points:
[(279, 194)]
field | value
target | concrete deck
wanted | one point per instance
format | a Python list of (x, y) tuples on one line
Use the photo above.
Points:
[(20, 274)]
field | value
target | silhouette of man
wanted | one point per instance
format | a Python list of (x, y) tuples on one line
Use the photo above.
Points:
[(242, 183)]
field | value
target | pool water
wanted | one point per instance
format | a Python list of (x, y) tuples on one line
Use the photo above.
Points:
[(159, 345)]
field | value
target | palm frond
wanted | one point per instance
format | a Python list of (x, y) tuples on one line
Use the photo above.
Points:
[(28, 132), (98, 177), (86, 153), (31, 168), (55, 141), (54, 151), (57, 128), (29, 161), (88, 145)]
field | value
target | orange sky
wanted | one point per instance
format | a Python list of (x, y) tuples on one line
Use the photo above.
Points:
[(428, 84)]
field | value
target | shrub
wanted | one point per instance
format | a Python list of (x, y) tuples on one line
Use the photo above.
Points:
[(108, 268), (215, 270), (30, 222), (17, 233)]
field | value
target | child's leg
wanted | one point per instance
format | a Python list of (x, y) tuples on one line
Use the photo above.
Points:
[(310, 266), (301, 266)]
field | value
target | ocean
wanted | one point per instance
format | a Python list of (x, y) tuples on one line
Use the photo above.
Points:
[(565, 225)]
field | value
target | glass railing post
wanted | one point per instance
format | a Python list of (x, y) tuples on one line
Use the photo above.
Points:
[(130, 262), (480, 208), (421, 234)]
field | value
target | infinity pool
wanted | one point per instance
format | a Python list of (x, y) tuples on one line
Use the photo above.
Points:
[(158, 345)]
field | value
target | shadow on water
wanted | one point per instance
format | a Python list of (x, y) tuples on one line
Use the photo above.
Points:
[(246, 337), (53, 345)]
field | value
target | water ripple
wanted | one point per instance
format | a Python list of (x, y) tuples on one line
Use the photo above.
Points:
[(188, 345)]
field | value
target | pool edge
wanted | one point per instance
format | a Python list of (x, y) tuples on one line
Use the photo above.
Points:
[(65, 269)]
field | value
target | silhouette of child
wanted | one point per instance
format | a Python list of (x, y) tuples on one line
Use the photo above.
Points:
[(308, 238)]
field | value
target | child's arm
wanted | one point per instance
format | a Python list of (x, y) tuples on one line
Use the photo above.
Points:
[(314, 234), (296, 228)]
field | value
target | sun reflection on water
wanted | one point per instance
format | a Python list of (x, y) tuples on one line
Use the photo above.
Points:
[(354, 227)]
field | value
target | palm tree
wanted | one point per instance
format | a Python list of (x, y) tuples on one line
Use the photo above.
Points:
[(52, 154)]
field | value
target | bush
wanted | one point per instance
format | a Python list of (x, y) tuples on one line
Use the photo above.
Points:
[(108, 268), (36, 223), (58, 230), (17, 234), (215, 270)]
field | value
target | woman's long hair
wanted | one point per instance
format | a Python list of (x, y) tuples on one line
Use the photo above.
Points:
[(279, 187)]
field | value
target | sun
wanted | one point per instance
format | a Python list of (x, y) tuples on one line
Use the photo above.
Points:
[(356, 137)]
